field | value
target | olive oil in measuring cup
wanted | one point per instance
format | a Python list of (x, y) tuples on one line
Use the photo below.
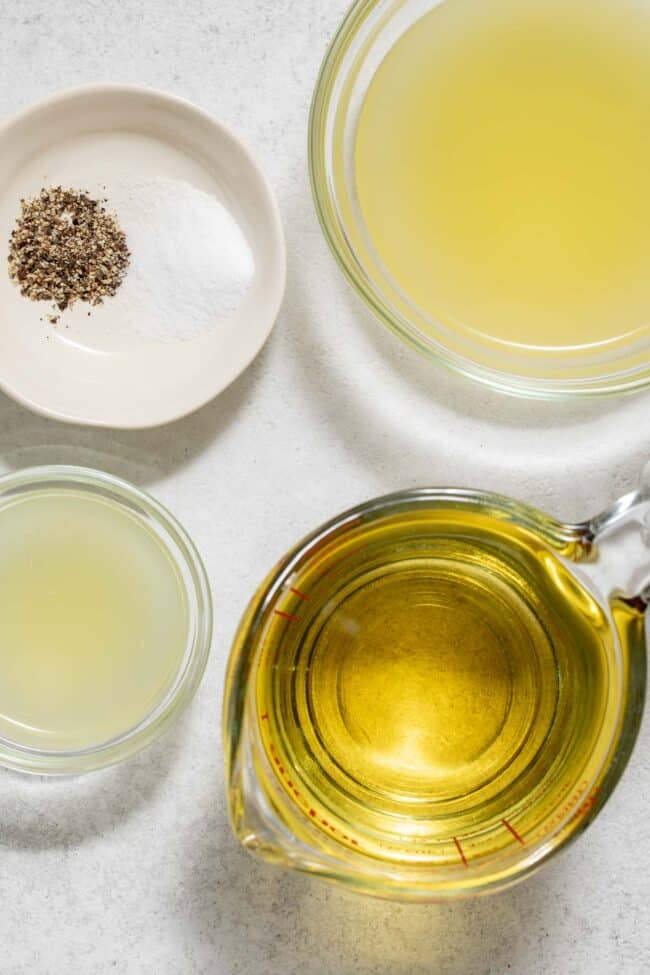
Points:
[(432, 695)]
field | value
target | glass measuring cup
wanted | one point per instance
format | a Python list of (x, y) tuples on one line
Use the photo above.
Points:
[(437, 690)]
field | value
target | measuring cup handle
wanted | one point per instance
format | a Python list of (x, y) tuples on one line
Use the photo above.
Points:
[(622, 535)]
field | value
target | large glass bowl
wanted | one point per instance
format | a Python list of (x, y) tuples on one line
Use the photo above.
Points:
[(366, 35)]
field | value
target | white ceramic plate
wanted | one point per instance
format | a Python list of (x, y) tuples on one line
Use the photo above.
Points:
[(88, 371)]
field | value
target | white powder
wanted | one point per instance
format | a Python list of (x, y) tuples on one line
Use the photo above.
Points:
[(190, 262)]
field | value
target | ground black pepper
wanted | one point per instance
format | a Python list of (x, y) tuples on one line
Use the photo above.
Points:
[(67, 247)]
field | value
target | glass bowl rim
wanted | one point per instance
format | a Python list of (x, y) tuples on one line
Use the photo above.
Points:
[(180, 548)]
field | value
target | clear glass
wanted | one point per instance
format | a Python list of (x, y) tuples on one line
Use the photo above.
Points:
[(189, 566), (366, 35), (608, 555)]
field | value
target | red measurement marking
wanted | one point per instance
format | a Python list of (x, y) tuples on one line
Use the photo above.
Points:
[(460, 852), (265, 717), (312, 812), (514, 832), (286, 616), (297, 592)]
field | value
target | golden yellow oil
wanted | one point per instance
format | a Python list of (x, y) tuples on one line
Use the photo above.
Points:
[(93, 620), (435, 686), (502, 168)]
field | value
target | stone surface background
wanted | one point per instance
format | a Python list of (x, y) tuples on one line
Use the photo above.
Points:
[(134, 870)]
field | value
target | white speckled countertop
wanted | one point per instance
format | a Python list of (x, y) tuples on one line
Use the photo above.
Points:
[(134, 870)]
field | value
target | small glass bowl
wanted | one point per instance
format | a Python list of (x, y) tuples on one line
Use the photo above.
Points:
[(181, 550), (366, 35)]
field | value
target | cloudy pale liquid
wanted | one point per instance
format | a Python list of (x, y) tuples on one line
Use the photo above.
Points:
[(93, 621), (503, 168)]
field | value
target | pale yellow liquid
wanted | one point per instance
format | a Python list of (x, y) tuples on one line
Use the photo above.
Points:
[(503, 168), (93, 621)]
